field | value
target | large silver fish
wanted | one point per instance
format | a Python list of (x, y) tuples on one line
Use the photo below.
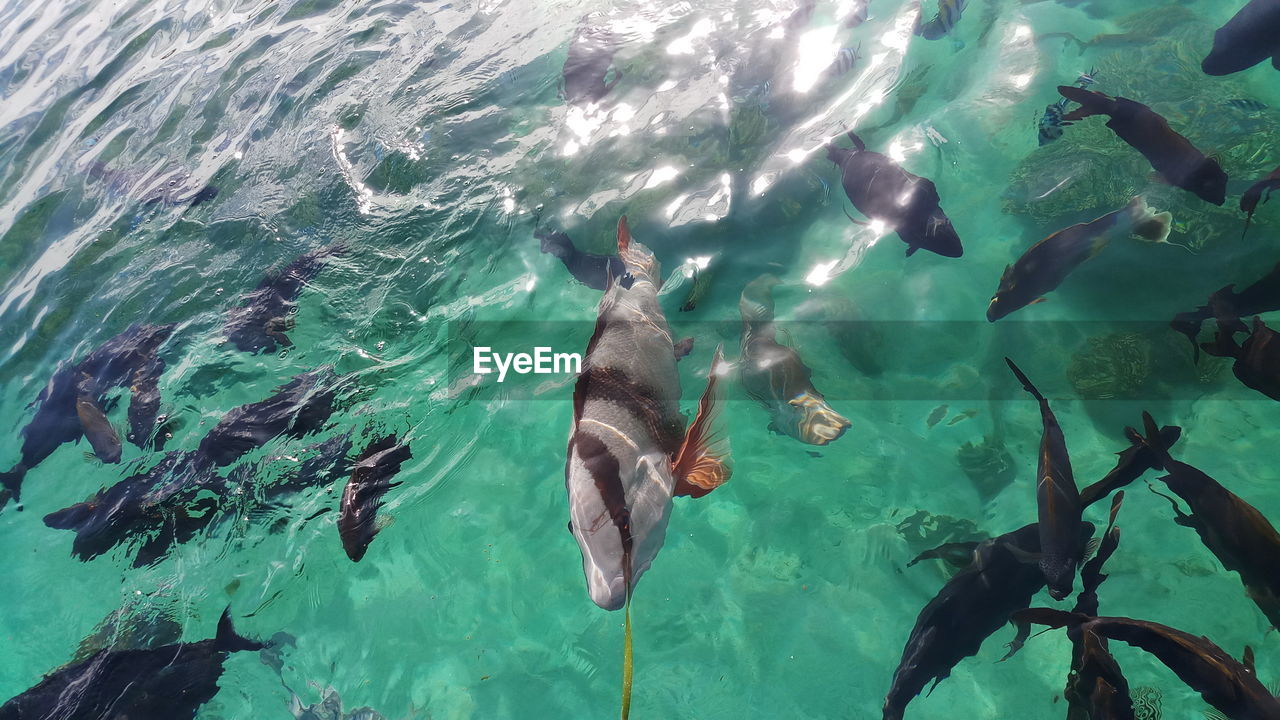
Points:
[(629, 452)]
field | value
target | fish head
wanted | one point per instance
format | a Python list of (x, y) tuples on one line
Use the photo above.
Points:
[(1059, 574), (618, 514), (811, 420), (1209, 182), (1008, 297)]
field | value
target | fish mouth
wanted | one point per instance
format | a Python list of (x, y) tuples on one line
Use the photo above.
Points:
[(817, 423)]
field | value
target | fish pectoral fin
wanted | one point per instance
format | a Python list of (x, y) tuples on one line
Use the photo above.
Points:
[(1022, 556), (701, 464)]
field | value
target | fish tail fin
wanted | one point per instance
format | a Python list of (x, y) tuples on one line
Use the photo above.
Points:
[(635, 256), (1026, 384), (1091, 102), (1148, 224), (1049, 617), (1154, 441), (702, 463), (12, 480), (228, 640)]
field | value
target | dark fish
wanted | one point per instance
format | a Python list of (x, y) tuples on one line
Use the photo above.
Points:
[(1096, 687), (259, 323), (370, 480), (170, 682), (1260, 297), (949, 12), (1221, 680), (683, 348), (171, 191), (94, 423), (972, 605), (958, 555), (1249, 200), (936, 416), (174, 500), (58, 419), (587, 65), (907, 204), (1234, 531), (1134, 462), (587, 268), (857, 14), (144, 404), (629, 452), (1257, 360), (1248, 38), (1172, 155), (776, 377), (1057, 499), (1044, 266)]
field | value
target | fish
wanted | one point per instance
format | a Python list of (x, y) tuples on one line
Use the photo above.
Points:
[(971, 606), (1242, 538), (259, 322), (1248, 38), (776, 377), (57, 420), (1057, 500), (1096, 687), (1052, 123), (1223, 682), (587, 268), (94, 423), (1171, 154), (855, 14), (1256, 360), (957, 555), (949, 12), (1045, 265), (1251, 197), (629, 451), (1247, 104), (170, 190), (175, 499), (907, 204), (1260, 297), (587, 66), (1134, 462), (845, 60), (370, 480), (170, 681)]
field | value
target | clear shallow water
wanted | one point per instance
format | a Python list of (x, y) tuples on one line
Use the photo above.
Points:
[(431, 139)]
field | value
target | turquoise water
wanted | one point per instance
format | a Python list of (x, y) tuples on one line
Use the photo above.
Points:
[(432, 140)]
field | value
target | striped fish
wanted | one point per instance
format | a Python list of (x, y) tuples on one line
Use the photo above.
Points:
[(1052, 122), (629, 451), (845, 60), (949, 12)]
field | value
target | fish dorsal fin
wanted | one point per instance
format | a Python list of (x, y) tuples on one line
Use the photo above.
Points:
[(1248, 661), (701, 463)]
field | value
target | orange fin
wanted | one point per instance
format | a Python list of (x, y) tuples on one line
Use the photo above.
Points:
[(624, 235), (701, 465)]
